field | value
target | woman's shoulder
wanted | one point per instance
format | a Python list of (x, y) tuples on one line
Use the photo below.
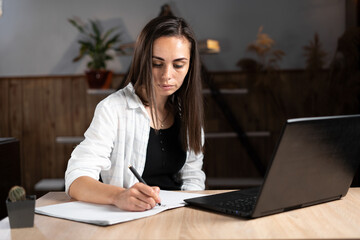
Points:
[(119, 98)]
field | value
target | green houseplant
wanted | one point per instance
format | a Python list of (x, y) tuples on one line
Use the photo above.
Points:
[(96, 44), (20, 208)]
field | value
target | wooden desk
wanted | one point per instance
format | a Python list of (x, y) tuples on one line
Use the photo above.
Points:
[(337, 219)]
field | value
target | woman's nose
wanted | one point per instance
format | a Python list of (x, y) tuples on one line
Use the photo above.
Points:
[(167, 72)]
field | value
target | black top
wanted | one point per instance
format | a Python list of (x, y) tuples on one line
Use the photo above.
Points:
[(164, 158)]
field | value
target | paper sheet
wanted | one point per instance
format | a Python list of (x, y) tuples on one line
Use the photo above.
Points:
[(107, 214)]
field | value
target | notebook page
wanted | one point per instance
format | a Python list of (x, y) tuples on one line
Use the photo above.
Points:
[(107, 214)]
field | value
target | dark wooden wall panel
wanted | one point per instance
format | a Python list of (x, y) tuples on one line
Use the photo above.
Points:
[(4, 107), (271, 99), (37, 110), (79, 107), (15, 108), (30, 140), (48, 130), (63, 122)]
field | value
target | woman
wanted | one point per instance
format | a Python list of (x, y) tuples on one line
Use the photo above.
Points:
[(154, 124)]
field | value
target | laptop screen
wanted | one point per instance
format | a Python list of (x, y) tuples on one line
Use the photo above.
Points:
[(315, 161)]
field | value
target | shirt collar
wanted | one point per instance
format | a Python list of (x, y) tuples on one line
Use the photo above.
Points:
[(132, 99)]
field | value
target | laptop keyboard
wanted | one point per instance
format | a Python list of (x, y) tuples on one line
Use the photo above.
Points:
[(244, 205)]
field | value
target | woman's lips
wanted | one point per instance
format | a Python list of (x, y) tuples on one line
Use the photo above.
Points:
[(166, 87)]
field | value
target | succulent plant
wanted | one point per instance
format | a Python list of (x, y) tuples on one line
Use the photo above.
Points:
[(17, 193)]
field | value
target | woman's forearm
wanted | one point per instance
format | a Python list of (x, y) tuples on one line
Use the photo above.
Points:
[(90, 190)]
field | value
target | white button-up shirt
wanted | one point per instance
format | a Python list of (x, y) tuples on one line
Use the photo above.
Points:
[(118, 137)]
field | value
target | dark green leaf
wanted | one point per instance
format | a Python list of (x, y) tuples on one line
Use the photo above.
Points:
[(112, 41), (75, 24), (96, 29), (107, 34)]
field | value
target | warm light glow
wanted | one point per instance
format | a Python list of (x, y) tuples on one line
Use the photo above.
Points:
[(209, 46)]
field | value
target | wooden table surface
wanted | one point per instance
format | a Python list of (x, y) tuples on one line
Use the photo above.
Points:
[(338, 219)]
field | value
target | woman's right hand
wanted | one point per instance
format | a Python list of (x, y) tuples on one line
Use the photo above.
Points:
[(139, 197)]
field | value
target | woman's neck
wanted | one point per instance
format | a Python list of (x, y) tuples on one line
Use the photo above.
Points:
[(160, 100), (161, 103)]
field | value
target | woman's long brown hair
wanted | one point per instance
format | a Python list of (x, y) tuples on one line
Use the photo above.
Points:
[(187, 101)]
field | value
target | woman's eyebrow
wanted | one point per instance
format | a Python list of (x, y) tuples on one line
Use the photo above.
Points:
[(175, 60), (180, 59), (159, 58)]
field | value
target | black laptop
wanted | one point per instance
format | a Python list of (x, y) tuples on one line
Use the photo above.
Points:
[(314, 162)]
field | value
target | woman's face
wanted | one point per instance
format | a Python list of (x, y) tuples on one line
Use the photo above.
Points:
[(170, 64)]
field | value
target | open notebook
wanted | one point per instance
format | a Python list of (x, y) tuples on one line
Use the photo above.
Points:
[(107, 214)]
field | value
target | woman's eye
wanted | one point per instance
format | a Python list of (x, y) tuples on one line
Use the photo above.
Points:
[(157, 64), (178, 66)]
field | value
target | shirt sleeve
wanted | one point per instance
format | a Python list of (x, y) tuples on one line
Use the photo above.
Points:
[(92, 155), (192, 175)]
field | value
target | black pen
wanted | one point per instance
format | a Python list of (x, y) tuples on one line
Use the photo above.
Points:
[(137, 175)]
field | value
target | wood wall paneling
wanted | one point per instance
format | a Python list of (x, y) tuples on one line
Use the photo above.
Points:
[(63, 123), (4, 108), (31, 142), (48, 129), (80, 120), (37, 110), (15, 108)]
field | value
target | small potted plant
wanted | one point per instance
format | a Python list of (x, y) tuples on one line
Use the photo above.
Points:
[(96, 44), (20, 208)]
